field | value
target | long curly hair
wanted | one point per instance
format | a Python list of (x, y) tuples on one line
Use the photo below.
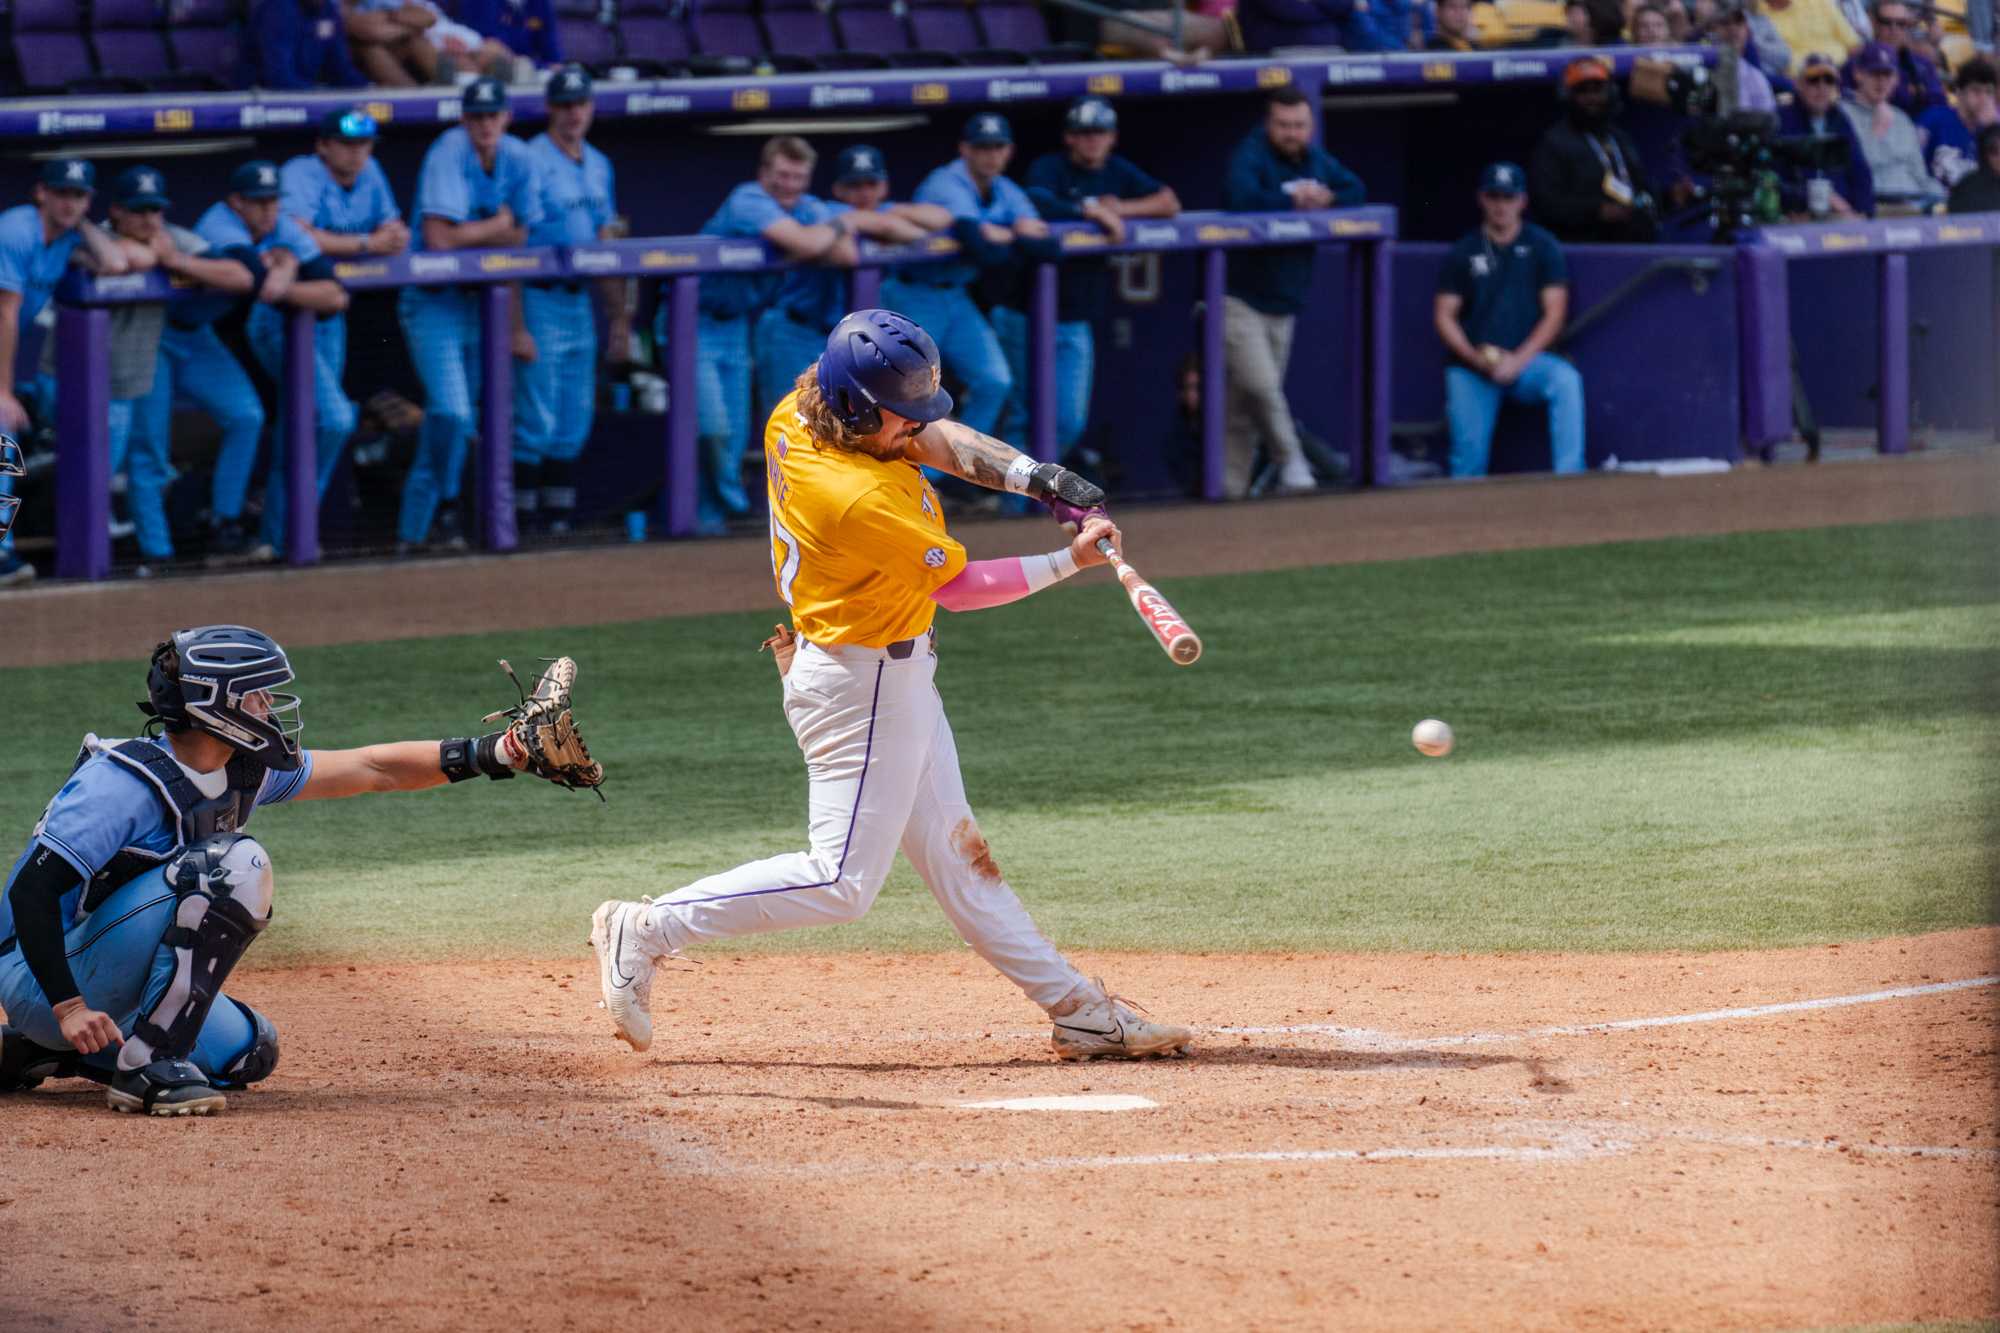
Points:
[(827, 430)]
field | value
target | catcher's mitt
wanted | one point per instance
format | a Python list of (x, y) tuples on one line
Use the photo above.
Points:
[(543, 730)]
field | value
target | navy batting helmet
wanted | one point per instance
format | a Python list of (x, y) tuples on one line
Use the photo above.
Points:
[(878, 359), (221, 679)]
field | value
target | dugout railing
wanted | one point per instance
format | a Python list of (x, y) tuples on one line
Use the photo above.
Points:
[(83, 484)]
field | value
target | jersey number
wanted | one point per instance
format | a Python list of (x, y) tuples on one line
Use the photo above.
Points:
[(784, 571)]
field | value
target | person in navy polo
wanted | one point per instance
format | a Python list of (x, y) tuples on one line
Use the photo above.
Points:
[(1501, 300)]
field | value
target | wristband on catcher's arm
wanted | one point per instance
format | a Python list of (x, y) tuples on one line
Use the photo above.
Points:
[(469, 756)]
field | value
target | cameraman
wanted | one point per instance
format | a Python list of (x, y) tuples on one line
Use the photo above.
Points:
[(1850, 192), (1586, 175)]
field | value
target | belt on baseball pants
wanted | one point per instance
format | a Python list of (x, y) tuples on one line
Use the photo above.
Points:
[(900, 651)]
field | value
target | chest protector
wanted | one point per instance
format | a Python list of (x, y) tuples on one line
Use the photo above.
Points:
[(190, 814)]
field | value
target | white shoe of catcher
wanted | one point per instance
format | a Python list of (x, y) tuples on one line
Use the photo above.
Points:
[(624, 970), (1110, 1028)]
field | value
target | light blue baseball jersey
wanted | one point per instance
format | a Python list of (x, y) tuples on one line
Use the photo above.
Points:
[(311, 195), (221, 228), (28, 264), (951, 186), (578, 199), (106, 808), (453, 186), (816, 294), (747, 211)]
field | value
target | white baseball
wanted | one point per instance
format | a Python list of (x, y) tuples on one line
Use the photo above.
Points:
[(1432, 737)]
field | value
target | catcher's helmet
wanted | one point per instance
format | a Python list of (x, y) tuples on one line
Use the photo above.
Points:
[(220, 679), (878, 359)]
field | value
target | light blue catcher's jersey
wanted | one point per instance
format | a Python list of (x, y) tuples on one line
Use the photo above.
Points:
[(310, 194), (453, 186), (221, 228), (107, 811), (577, 198)]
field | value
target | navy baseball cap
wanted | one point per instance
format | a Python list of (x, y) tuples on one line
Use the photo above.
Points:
[(69, 173), (859, 162), (1503, 178), (1090, 113), (568, 86), (988, 127), (140, 187), (255, 180), (483, 97), (349, 123), (1875, 58)]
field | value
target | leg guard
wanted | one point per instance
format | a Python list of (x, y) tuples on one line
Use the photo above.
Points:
[(222, 887), (256, 1063)]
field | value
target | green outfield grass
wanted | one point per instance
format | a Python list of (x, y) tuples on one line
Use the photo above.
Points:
[(1704, 743)]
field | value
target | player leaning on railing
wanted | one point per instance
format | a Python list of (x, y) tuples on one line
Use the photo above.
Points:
[(861, 556), (139, 890)]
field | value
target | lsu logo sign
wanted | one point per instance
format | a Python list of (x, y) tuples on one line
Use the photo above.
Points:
[(750, 99), (172, 119), (930, 93), (1273, 76)]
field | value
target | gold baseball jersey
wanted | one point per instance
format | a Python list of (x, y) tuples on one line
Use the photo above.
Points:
[(857, 544)]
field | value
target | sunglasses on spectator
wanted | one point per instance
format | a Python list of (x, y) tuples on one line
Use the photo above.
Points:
[(1822, 79), (1893, 23)]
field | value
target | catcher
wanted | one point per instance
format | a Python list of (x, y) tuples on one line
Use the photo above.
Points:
[(139, 890)]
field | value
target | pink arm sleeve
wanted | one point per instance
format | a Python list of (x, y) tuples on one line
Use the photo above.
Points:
[(984, 583)]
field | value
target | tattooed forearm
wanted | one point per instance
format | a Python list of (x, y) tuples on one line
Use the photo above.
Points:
[(967, 453)]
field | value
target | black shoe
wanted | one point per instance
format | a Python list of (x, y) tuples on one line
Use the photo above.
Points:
[(164, 1087), (450, 529), (24, 1064)]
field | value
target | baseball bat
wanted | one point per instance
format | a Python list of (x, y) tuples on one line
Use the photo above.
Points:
[(1177, 638)]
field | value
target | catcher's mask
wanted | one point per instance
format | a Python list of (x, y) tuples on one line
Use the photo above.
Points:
[(221, 679)]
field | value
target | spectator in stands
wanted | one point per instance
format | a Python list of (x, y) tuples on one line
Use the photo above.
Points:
[(1594, 22), (299, 44), (812, 298), (776, 207), (476, 190), (1810, 25), (1587, 174), (1731, 30), (1979, 192), (251, 215), (1501, 300), (1454, 27), (525, 27), (1350, 25), (142, 363), (1889, 138), (391, 42), (1767, 49), (1277, 167), (1816, 111), (1917, 83), (38, 241), (555, 393), (1650, 26), (990, 215), (1087, 181), (1949, 131)]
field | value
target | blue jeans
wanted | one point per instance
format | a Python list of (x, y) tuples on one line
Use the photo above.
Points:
[(123, 969), (965, 341), (1076, 354), (143, 457), (722, 373), (784, 347), (1472, 406), (194, 364), (333, 411)]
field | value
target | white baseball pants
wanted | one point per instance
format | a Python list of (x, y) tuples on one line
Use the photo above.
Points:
[(883, 770)]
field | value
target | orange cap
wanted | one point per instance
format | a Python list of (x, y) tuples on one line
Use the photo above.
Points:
[(1586, 68)]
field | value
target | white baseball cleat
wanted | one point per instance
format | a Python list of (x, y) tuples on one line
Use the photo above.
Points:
[(624, 970), (1109, 1028)]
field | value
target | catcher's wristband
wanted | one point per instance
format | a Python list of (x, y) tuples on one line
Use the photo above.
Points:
[(469, 756)]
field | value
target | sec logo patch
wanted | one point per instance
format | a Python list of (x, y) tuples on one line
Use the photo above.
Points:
[(934, 557)]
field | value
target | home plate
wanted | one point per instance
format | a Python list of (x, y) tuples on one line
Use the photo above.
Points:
[(1103, 1102)]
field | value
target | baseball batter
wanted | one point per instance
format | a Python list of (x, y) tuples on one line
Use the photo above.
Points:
[(861, 556), (139, 889)]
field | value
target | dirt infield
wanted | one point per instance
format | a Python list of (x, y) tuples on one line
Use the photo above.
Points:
[(55, 623), (1379, 1142)]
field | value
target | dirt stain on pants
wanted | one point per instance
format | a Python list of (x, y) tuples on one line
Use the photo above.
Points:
[(968, 842)]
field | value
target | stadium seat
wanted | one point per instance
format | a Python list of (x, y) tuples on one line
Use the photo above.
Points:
[(948, 26), (726, 30), (130, 42), (875, 27), (584, 29), (207, 40), (1021, 28), (654, 36), (49, 47), (804, 28)]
